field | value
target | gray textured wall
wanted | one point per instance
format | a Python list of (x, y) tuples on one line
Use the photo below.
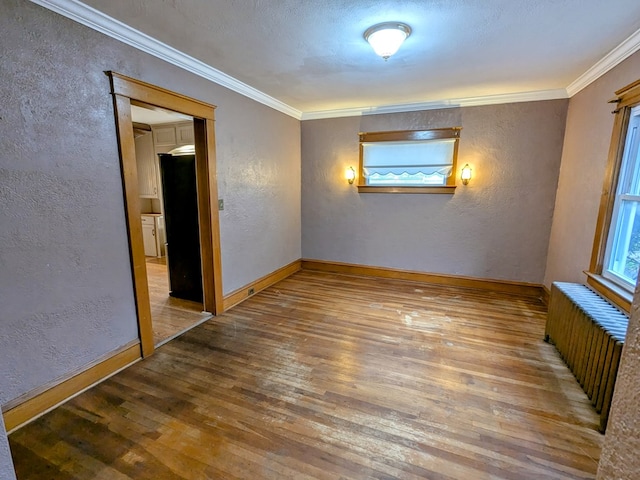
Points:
[(496, 227), (584, 159), (65, 280), (6, 464)]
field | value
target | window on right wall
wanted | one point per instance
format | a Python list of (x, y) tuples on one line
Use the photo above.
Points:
[(615, 258), (622, 253)]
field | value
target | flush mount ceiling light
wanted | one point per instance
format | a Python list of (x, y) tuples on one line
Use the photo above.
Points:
[(386, 38)]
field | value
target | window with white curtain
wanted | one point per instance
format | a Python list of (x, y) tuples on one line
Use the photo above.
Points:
[(412, 161)]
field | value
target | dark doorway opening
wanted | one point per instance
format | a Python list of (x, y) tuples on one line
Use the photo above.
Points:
[(180, 196)]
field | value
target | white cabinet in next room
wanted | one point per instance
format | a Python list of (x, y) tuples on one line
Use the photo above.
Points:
[(153, 234), (147, 166)]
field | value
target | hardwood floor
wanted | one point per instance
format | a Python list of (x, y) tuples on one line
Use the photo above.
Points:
[(326, 376), (170, 316)]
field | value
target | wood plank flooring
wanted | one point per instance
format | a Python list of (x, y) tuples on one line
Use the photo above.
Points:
[(327, 376), (169, 316)]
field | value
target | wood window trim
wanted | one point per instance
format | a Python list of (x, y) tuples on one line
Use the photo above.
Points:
[(611, 291), (625, 99), (126, 92), (409, 135)]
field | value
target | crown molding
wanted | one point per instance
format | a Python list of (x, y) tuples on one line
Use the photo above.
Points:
[(452, 103), (96, 20), (113, 28), (627, 48)]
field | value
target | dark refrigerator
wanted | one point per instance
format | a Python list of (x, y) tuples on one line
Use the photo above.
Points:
[(178, 173)]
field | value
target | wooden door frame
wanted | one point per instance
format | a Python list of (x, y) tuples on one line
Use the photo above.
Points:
[(127, 91)]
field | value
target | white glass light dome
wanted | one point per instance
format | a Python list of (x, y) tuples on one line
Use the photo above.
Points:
[(386, 38)]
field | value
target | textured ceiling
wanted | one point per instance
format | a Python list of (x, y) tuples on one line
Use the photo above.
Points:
[(156, 116), (311, 54)]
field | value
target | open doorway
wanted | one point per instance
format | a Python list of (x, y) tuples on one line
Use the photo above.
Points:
[(128, 93), (165, 160)]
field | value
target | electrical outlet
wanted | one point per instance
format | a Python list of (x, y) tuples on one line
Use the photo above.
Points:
[(220, 204), (251, 291)]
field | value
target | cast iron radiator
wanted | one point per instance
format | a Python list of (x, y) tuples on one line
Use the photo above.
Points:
[(589, 334)]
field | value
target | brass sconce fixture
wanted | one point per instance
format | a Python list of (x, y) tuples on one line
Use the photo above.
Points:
[(351, 175), (465, 176)]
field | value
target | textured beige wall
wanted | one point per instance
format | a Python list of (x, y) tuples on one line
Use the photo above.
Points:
[(496, 227), (65, 274), (620, 459), (584, 158)]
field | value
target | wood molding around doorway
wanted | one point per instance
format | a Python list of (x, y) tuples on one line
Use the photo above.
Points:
[(127, 91)]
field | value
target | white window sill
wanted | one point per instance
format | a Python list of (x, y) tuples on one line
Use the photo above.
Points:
[(611, 291), (446, 189)]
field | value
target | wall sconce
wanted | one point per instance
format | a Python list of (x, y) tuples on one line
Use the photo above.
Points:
[(466, 174), (351, 175)]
